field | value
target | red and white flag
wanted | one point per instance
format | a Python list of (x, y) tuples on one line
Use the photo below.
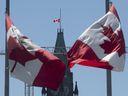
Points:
[(101, 45), (31, 63), (56, 21)]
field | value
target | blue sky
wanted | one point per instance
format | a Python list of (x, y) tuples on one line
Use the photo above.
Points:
[(35, 19)]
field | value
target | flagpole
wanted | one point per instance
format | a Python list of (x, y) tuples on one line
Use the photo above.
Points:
[(60, 20), (108, 72), (6, 87)]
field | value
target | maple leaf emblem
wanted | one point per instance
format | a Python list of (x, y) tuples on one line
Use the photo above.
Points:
[(115, 43)]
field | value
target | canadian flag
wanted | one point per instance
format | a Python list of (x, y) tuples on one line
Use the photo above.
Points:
[(100, 45), (56, 21), (31, 63)]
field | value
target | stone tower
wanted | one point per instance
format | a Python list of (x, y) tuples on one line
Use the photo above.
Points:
[(66, 88)]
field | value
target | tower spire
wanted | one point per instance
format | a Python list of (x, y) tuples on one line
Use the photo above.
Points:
[(44, 91), (76, 92), (66, 87)]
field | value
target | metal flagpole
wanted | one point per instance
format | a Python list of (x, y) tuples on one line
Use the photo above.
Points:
[(60, 19), (108, 73), (8, 7), (6, 89)]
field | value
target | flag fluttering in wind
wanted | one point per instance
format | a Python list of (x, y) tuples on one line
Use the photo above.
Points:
[(31, 63), (56, 20), (100, 45)]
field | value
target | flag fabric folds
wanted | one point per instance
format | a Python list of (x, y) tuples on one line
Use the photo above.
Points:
[(31, 63), (100, 45)]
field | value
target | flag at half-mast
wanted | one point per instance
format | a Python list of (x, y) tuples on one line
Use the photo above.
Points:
[(101, 45), (30, 63), (57, 20)]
